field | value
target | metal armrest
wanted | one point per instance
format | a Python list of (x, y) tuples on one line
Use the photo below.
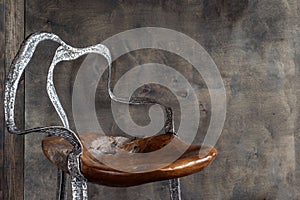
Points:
[(63, 52), (169, 123)]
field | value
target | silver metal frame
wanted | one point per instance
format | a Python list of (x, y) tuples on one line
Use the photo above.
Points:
[(64, 53)]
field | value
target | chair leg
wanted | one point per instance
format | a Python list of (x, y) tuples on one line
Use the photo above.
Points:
[(79, 189), (175, 191), (62, 185)]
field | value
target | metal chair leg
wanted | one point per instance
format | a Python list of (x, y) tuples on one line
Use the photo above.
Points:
[(175, 191), (62, 185)]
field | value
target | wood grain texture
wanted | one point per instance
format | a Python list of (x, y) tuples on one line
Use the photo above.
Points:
[(13, 153), (255, 45), (2, 80), (120, 151)]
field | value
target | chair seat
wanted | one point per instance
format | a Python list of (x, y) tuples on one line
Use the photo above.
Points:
[(97, 148)]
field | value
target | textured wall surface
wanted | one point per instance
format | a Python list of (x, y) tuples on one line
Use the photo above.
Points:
[(256, 46), (11, 146)]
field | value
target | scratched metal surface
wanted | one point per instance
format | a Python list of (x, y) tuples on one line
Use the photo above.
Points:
[(256, 46)]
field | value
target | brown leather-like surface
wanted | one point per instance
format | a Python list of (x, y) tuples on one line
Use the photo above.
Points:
[(119, 150)]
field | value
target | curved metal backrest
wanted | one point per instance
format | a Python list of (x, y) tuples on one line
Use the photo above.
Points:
[(17, 68), (63, 53)]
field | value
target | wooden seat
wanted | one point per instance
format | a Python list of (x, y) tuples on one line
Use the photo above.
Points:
[(97, 148)]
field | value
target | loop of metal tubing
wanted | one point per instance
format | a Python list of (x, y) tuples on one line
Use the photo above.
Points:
[(66, 52)]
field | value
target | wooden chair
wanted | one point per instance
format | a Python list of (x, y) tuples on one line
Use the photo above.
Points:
[(78, 155)]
